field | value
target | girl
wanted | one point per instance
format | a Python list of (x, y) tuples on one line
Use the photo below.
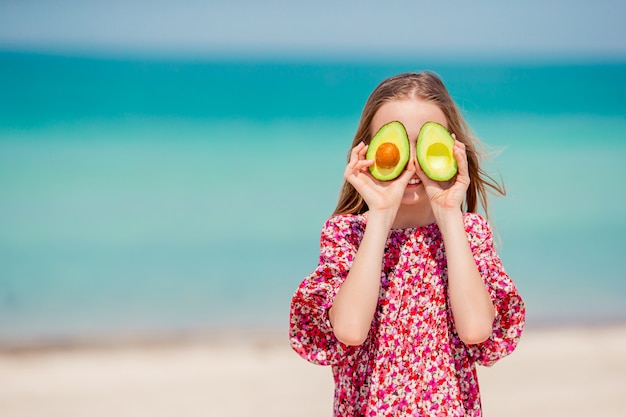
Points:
[(409, 293)]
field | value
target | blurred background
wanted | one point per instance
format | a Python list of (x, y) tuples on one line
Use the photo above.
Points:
[(166, 167)]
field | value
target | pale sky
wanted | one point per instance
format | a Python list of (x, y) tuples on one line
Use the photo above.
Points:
[(595, 28)]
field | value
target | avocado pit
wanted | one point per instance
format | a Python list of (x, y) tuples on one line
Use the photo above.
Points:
[(437, 156), (387, 155)]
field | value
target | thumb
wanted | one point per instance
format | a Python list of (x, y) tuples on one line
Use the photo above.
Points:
[(407, 174), (420, 172)]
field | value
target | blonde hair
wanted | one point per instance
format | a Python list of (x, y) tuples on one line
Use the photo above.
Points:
[(429, 87)]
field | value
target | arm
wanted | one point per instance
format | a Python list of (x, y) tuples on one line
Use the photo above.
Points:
[(470, 301), (355, 304), (311, 333), (508, 304)]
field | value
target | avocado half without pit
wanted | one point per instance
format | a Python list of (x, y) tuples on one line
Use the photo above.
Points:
[(389, 149), (435, 152)]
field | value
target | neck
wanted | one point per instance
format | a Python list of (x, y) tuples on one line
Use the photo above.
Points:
[(413, 216)]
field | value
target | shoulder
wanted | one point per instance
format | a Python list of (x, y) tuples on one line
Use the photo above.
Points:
[(473, 220), (345, 222), (476, 226), (344, 226)]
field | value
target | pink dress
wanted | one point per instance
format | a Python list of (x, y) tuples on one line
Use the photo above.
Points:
[(412, 362)]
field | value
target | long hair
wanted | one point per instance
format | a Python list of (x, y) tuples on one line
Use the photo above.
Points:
[(426, 86)]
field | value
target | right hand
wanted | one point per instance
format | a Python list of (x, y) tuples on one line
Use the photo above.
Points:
[(378, 195)]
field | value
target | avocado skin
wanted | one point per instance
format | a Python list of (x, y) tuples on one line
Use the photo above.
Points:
[(434, 135), (393, 132)]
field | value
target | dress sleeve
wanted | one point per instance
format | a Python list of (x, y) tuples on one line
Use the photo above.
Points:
[(310, 330), (510, 309)]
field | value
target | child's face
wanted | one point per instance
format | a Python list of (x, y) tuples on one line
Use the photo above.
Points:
[(412, 113)]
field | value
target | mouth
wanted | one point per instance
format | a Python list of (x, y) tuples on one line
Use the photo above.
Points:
[(415, 181)]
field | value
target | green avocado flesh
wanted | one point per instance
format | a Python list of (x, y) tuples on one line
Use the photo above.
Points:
[(389, 149), (434, 152)]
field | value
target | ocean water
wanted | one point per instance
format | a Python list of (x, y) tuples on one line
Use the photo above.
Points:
[(157, 197)]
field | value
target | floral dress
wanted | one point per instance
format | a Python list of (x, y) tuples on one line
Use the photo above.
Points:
[(412, 362)]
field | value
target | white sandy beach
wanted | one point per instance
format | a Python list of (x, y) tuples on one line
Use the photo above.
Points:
[(554, 372)]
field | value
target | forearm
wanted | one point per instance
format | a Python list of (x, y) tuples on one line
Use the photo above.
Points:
[(355, 304), (471, 304)]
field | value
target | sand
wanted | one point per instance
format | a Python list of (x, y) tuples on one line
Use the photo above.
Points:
[(554, 372)]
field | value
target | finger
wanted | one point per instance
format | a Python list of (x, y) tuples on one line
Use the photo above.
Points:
[(354, 157), (420, 173), (404, 178), (460, 155), (363, 151), (363, 164), (356, 151), (410, 166), (357, 167)]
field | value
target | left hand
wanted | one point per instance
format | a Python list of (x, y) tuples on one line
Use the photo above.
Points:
[(445, 195)]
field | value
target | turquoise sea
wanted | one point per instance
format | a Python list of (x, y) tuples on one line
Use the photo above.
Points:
[(144, 196)]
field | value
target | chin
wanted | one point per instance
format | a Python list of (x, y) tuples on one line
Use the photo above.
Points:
[(412, 199)]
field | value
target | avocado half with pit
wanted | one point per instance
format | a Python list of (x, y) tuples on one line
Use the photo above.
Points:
[(389, 149), (435, 152)]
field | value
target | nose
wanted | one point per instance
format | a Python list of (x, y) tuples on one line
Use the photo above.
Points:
[(412, 150)]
